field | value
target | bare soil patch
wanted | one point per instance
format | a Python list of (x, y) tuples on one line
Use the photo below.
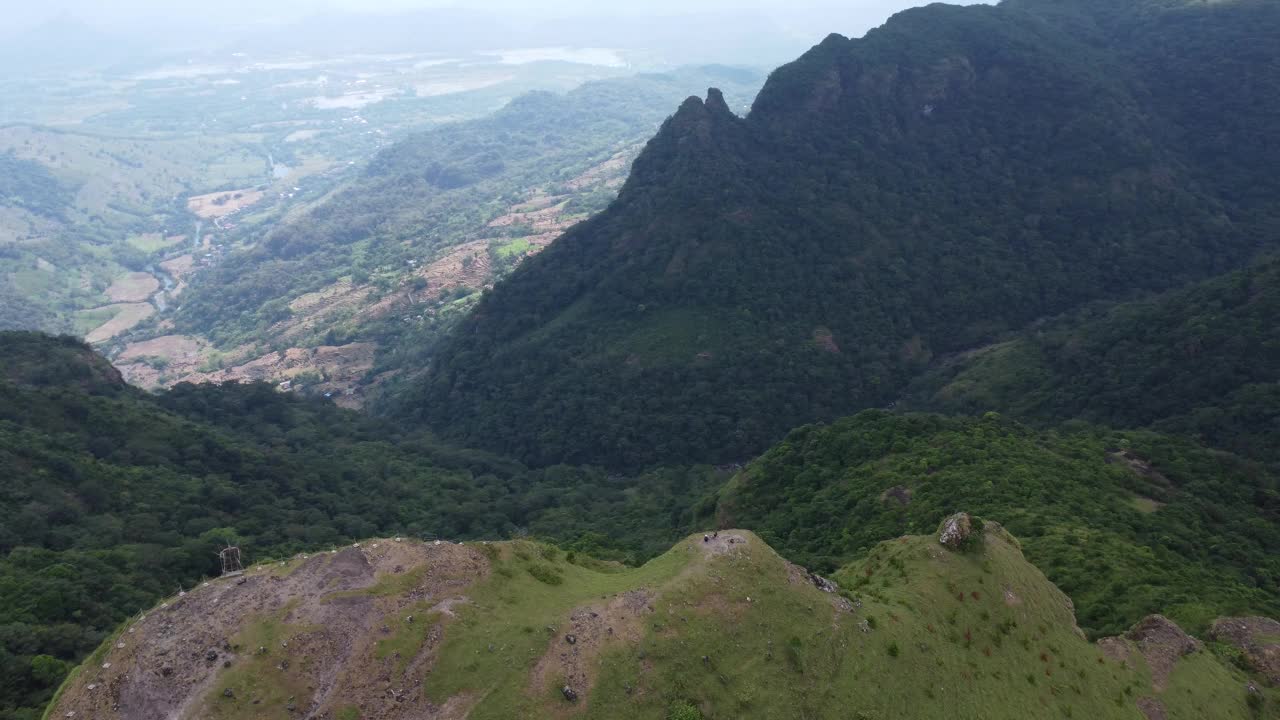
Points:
[(615, 167), (545, 219), (1140, 467), (823, 338), (592, 628), (1151, 708), (175, 660), (134, 287), (221, 204), (127, 316), (180, 266)]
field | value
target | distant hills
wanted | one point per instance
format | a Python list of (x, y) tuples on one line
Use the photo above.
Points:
[(1052, 218), (954, 175), (395, 256)]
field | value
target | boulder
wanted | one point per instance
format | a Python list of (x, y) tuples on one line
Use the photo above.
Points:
[(956, 530), (569, 694)]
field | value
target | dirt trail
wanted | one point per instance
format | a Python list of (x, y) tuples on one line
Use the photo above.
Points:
[(329, 614)]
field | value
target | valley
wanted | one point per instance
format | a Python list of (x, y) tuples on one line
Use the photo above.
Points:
[(152, 152), (424, 363)]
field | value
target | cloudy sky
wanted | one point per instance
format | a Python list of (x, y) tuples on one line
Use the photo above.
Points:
[(117, 14), (653, 33)]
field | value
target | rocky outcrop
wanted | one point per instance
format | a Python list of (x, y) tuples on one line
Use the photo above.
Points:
[(956, 531), (1258, 639), (1163, 644)]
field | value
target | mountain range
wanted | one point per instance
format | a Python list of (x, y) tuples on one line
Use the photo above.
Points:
[(956, 174), (939, 384)]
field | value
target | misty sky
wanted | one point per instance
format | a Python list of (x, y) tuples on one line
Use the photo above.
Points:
[(123, 14)]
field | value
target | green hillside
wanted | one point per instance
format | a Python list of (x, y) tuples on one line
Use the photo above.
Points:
[(1126, 523), (111, 497), (1202, 361), (715, 628), (75, 207), (957, 173)]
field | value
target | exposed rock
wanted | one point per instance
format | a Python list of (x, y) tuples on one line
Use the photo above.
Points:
[(1258, 638), (823, 584), (1162, 643), (956, 530)]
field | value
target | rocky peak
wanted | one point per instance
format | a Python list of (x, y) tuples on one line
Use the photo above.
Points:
[(715, 101), (956, 531)]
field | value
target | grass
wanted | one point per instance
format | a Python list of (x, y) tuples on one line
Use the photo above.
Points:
[(86, 320), (517, 246), (1202, 687), (152, 242), (923, 633), (492, 646), (1145, 505)]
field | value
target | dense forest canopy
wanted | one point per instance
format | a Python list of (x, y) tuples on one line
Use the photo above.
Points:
[(1202, 362), (954, 175)]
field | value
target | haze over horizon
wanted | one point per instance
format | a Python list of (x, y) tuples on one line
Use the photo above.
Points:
[(761, 32)]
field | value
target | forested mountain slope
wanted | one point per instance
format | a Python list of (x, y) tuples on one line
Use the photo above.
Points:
[(1202, 361), (957, 173)]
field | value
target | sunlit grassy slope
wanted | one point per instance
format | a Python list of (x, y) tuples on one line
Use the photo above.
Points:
[(718, 628)]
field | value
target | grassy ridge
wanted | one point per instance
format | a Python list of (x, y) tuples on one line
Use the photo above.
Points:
[(734, 631)]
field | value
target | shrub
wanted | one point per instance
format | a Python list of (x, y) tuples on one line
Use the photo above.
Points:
[(684, 710)]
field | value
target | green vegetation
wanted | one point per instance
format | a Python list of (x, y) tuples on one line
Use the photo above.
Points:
[(736, 631), (514, 610), (428, 193), (827, 494), (112, 497), (31, 187), (86, 545), (995, 165), (1202, 361)]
